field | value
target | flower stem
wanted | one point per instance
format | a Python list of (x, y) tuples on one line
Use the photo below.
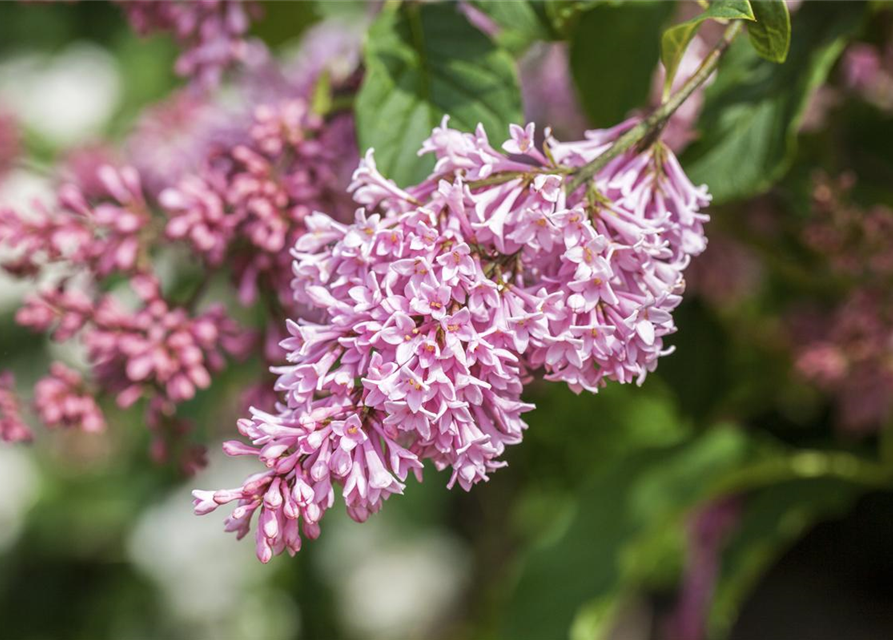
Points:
[(659, 116)]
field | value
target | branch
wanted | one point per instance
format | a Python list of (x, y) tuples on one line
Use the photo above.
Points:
[(660, 115)]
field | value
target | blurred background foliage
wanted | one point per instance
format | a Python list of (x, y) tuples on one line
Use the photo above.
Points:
[(723, 498)]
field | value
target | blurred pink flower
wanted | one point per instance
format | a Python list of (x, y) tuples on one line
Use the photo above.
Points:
[(212, 33), (62, 400)]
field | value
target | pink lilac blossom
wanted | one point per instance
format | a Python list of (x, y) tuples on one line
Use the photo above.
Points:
[(849, 355), (102, 235), (159, 350), (12, 427), (62, 400), (439, 302), (847, 349), (231, 181), (212, 33), (249, 203), (868, 71), (81, 167), (171, 139)]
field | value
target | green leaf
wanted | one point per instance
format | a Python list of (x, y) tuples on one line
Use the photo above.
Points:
[(677, 38), (771, 521), (622, 502), (564, 14), (613, 52), (344, 10), (770, 35), (753, 109), (521, 23), (424, 61)]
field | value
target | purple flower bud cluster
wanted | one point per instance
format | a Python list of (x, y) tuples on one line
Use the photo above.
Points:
[(102, 236), (212, 33), (846, 350), (100, 250), (247, 204), (438, 304), (868, 71), (63, 400)]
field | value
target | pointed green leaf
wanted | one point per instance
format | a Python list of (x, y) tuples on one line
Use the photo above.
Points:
[(748, 127), (613, 52), (676, 39), (770, 35), (424, 61)]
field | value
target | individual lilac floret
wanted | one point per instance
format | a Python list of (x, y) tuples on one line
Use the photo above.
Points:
[(12, 427), (440, 301), (62, 400)]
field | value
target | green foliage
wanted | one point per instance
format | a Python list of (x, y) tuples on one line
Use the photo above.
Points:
[(626, 536), (675, 40), (769, 523), (753, 109), (284, 22), (521, 23), (564, 14), (770, 35), (349, 10), (613, 53), (424, 61), (630, 500)]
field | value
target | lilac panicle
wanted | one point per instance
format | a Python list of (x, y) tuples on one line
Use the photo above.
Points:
[(440, 301), (211, 33), (845, 349), (62, 400), (258, 193)]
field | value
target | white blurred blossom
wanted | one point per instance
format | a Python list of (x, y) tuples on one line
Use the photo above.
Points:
[(19, 487), (67, 97), (393, 583), (213, 585)]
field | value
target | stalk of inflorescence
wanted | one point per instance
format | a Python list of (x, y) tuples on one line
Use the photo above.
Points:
[(659, 116)]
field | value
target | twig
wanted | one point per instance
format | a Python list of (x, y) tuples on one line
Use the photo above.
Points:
[(660, 115)]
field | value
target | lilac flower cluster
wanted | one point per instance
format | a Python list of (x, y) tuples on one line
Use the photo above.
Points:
[(247, 204), (868, 71), (212, 33), (103, 237), (62, 400), (440, 301), (152, 351), (846, 350), (245, 179)]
